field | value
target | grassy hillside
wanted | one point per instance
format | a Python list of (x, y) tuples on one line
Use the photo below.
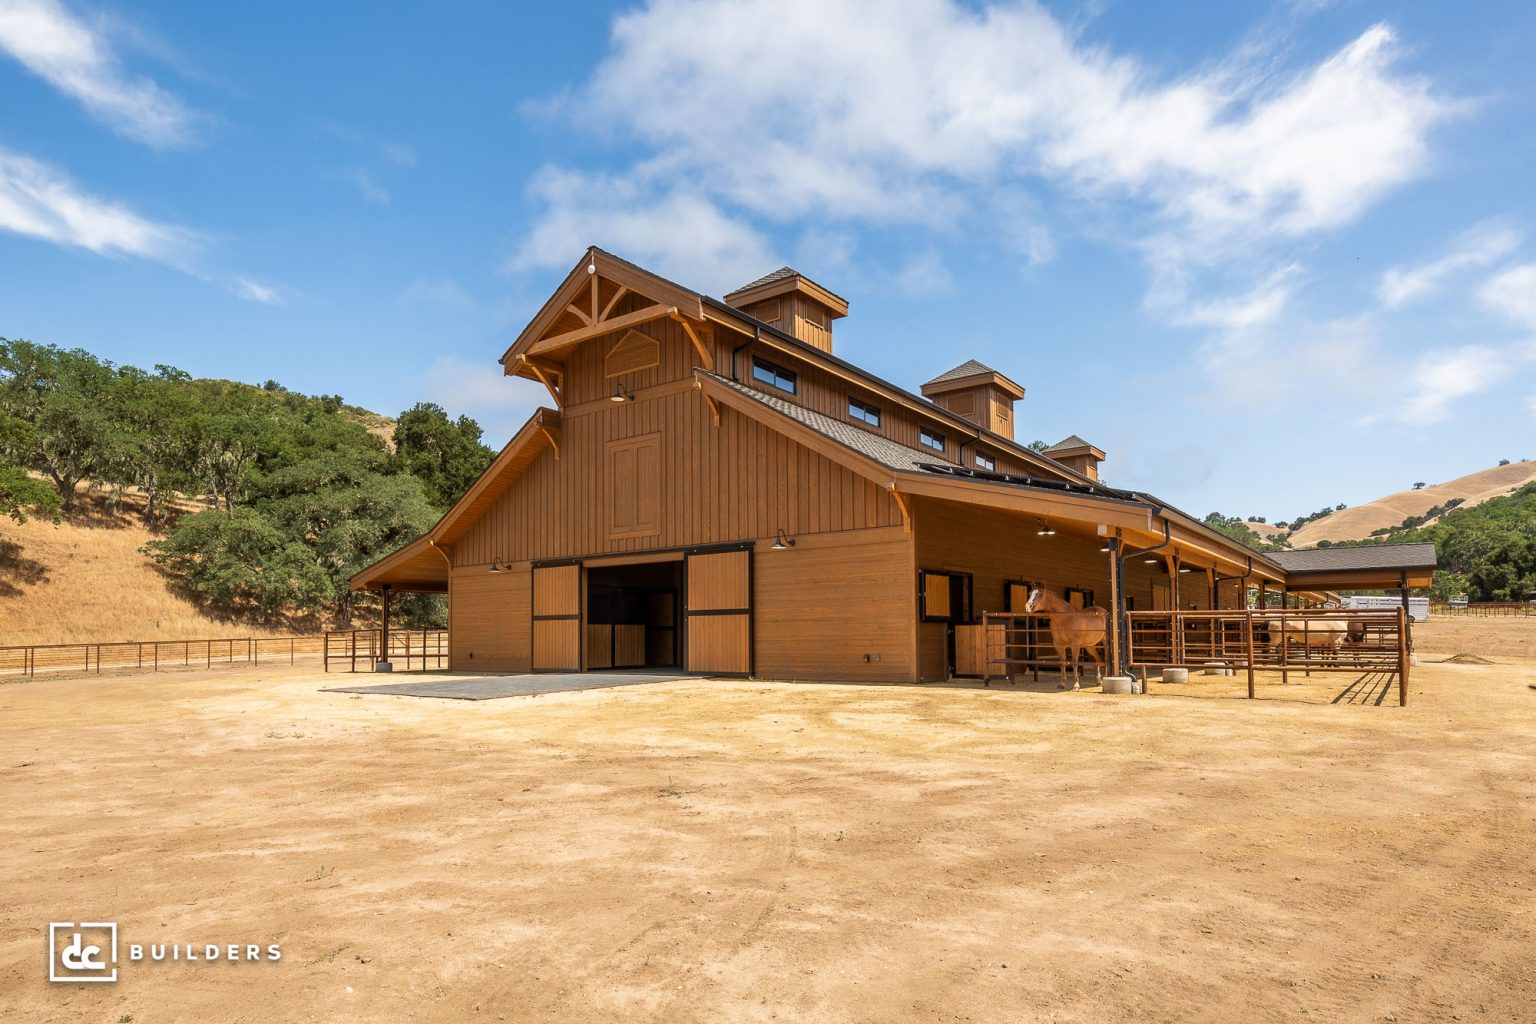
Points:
[(1358, 522), (85, 579)]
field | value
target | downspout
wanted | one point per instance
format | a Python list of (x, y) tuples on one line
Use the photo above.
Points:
[(960, 452), (1117, 559), (1242, 591), (757, 335)]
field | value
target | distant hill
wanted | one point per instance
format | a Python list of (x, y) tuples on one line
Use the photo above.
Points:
[(1358, 522), (85, 579)]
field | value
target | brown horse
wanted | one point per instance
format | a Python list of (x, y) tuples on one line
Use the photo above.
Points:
[(1073, 630)]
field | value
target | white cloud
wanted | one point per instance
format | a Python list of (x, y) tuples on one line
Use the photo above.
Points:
[(366, 184), (674, 231), (849, 110), (924, 274), (1441, 378), (1261, 305), (255, 291), (1512, 293), (1480, 246), (442, 292), (80, 61), (1307, 364), (41, 202)]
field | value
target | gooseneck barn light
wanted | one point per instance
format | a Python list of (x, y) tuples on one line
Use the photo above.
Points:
[(495, 568), (781, 542), (620, 395)]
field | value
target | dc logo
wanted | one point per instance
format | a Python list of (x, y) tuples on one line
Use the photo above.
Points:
[(82, 952)]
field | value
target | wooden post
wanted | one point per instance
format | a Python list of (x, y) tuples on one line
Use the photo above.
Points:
[(1402, 657), (1112, 650), (1248, 640), (384, 629)]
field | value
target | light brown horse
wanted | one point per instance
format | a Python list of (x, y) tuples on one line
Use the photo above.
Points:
[(1073, 630)]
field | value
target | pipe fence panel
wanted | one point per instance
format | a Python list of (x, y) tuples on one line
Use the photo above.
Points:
[(410, 649)]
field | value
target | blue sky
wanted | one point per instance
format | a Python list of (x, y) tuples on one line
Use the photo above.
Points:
[(1269, 258)]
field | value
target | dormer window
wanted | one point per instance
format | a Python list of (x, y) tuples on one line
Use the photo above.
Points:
[(985, 461), (932, 439), (863, 412), (773, 375)]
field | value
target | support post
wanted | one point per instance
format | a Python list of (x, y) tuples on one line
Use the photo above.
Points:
[(1248, 640), (383, 665), (1402, 656), (1116, 609)]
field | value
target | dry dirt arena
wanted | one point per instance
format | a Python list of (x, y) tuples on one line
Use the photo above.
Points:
[(740, 851)]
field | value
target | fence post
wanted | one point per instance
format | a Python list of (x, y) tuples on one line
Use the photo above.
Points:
[(1402, 658)]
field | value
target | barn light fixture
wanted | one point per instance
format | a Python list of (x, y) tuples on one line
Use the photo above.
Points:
[(497, 568), (591, 266), (1150, 561), (1045, 530), (781, 542), (620, 395), (1184, 569), (1105, 549)]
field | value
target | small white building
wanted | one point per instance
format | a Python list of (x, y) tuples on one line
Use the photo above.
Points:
[(1418, 607)]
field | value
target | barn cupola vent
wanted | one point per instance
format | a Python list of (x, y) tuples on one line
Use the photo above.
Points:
[(977, 392), (793, 303), (1075, 453)]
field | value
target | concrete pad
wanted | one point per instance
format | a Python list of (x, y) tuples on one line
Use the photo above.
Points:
[(521, 685)]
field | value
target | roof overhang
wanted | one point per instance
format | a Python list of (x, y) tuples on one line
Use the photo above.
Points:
[(1360, 579), (992, 377), (836, 305), (423, 564), (580, 309)]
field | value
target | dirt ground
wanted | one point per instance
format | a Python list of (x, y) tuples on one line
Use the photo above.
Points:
[(1478, 634), (743, 851)]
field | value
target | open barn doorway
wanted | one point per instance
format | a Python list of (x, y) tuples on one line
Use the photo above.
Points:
[(632, 616)]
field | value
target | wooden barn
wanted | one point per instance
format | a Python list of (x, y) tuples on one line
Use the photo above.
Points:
[(714, 490)]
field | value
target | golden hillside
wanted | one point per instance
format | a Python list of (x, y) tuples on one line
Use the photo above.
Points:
[(86, 580), (1357, 523)]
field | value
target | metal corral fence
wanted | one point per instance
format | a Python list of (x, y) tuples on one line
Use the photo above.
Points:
[(356, 647), (153, 655), (1486, 608), (1250, 640)]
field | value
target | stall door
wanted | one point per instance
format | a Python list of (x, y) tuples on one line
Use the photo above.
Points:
[(720, 612), (557, 618)]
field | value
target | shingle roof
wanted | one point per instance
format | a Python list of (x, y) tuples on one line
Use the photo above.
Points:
[(782, 274), (969, 368), (1371, 556), (1069, 442), (896, 456), (882, 449)]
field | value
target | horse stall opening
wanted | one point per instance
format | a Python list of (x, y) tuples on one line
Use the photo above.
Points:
[(632, 615)]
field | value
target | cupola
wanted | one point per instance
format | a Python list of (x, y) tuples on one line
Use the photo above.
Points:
[(977, 392), (793, 303), (1075, 453)]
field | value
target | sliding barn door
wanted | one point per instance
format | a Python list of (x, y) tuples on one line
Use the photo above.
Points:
[(720, 612), (557, 618)]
